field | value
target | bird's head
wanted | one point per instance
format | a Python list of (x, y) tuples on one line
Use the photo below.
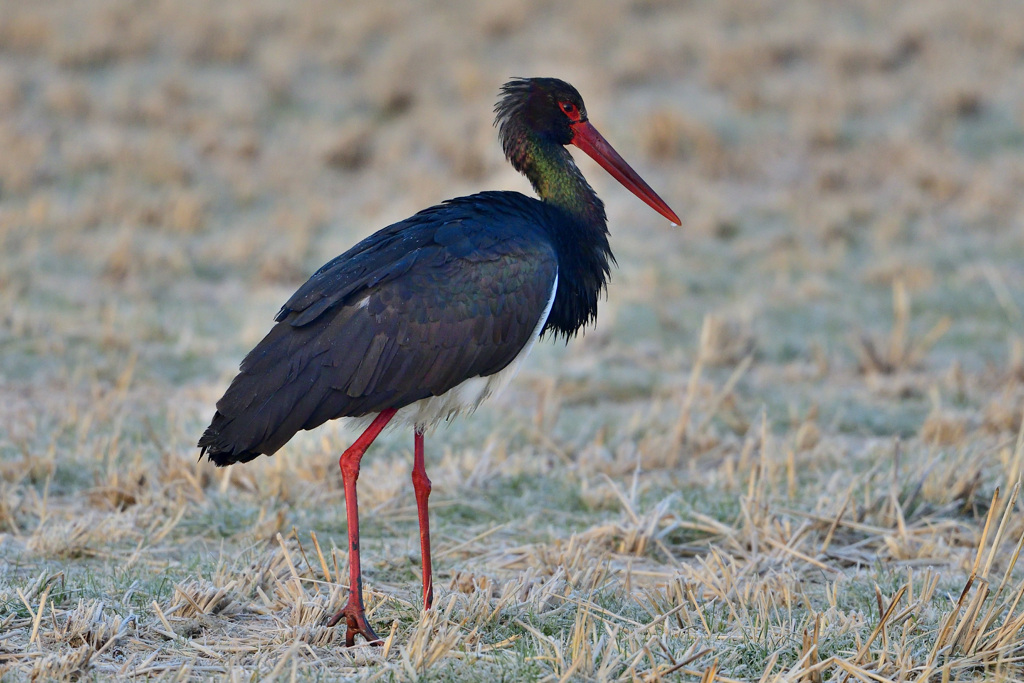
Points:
[(547, 107), (549, 110)]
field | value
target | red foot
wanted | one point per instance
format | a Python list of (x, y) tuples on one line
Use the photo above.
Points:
[(355, 621)]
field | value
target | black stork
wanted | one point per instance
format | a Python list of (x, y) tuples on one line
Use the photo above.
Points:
[(429, 316)]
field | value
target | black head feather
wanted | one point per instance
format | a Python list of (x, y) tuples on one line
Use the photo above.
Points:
[(529, 108)]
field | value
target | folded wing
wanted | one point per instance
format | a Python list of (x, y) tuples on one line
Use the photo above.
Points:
[(409, 313)]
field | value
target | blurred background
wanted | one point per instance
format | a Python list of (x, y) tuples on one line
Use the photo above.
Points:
[(168, 166), (850, 267)]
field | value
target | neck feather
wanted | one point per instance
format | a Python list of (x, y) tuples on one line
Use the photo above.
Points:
[(555, 177), (581, 239)]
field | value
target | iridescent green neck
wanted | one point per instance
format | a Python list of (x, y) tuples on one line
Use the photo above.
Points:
[(557, 180), (580, 241)]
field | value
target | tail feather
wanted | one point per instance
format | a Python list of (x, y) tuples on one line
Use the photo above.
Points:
[(284, 386), (214, 446), (261, 409)]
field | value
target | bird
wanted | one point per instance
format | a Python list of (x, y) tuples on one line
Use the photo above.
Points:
[(426, 318)]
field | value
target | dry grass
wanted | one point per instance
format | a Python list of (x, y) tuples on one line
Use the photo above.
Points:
[(790, 451)]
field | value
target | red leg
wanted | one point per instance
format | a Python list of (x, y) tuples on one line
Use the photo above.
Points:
[(421, 485), (353, 611)]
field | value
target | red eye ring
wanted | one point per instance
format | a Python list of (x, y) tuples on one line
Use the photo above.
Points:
[(570, 110)]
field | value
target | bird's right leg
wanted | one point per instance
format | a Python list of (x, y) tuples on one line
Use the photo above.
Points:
[(421, 486), (353, 611)]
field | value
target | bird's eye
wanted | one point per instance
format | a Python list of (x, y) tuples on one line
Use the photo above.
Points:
[(570, 109)]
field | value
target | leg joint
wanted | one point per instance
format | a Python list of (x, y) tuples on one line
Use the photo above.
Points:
[(420, 480), (349, 463)]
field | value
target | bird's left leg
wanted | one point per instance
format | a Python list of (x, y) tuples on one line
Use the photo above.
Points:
[(421, 485), (353, 611)]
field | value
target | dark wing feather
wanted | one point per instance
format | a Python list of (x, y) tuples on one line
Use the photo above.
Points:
[(454, 292)]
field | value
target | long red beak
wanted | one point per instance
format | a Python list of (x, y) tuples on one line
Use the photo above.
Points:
[(586, 137)]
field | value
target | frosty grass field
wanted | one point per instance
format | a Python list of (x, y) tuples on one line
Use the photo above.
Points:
[(789, 450)]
